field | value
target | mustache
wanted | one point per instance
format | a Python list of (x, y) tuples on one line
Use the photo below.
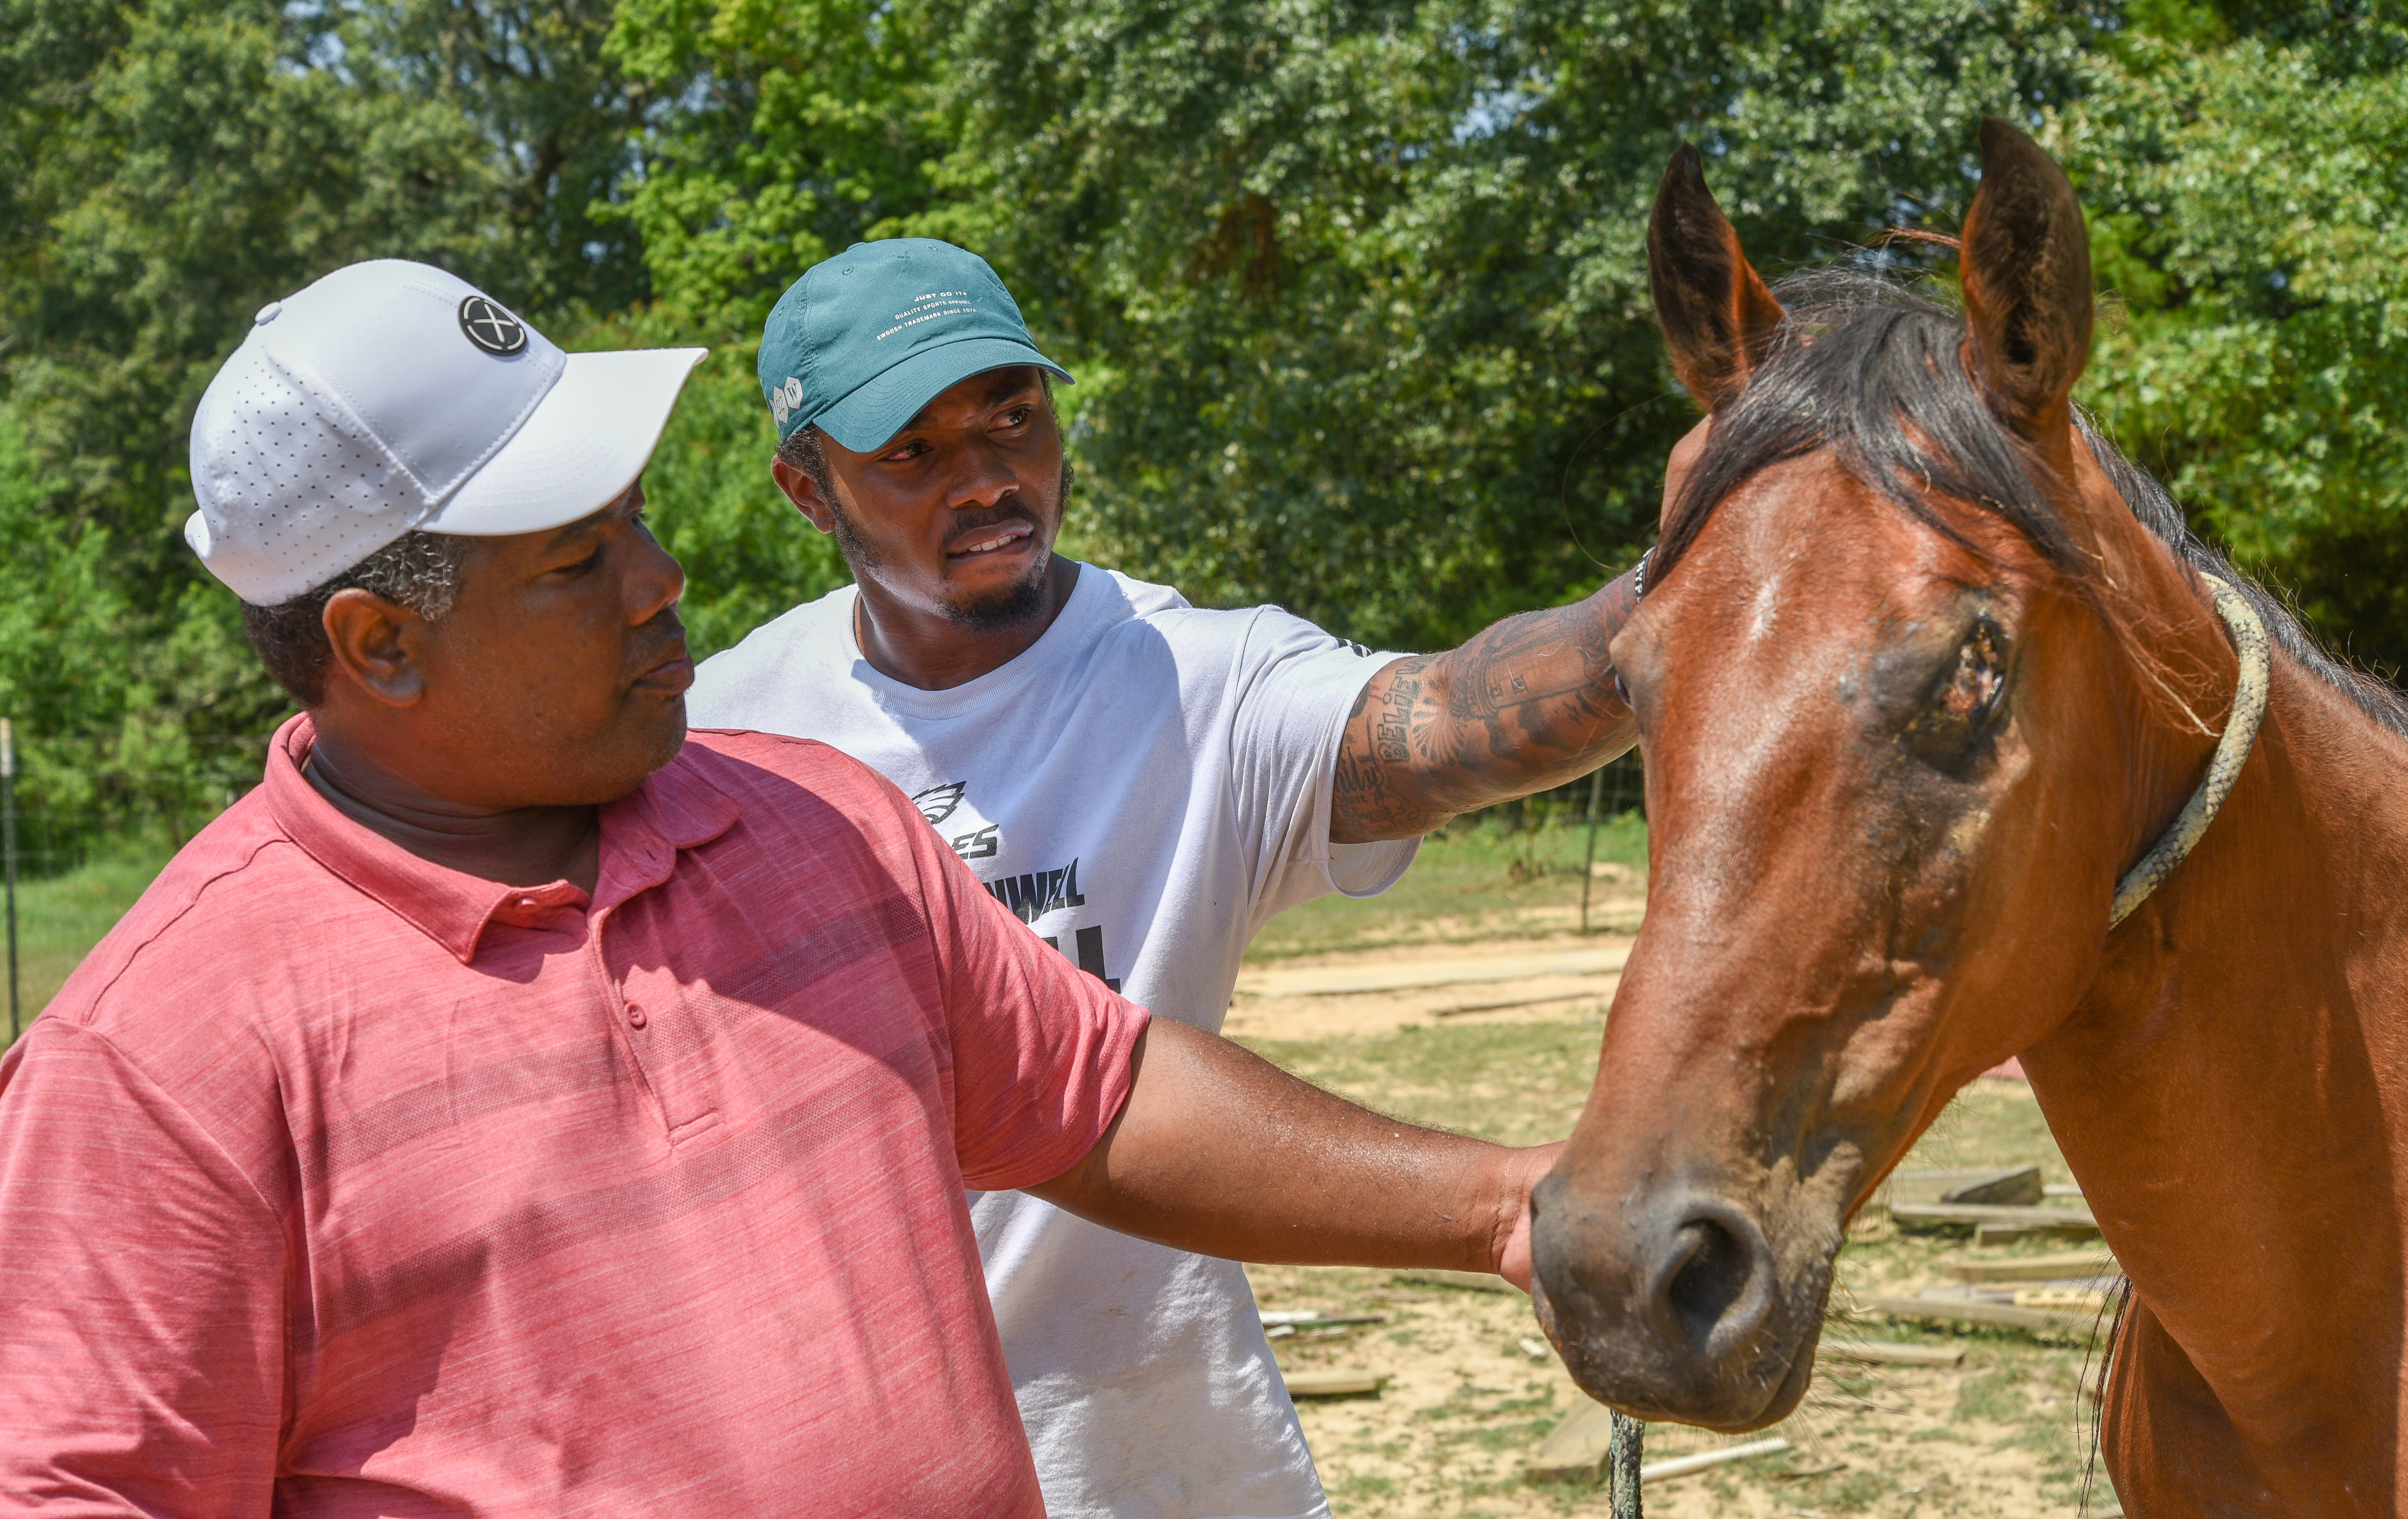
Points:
[(656, 641), (1010, 511)]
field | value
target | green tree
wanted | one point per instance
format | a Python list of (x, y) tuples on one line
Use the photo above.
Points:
[(1354, 287), (1366, 279), (59, 616), (791, 132), (2249, 191), (175, 166)]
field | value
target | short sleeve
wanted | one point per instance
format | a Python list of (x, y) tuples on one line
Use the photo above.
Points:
[(142, 1355), (1291, 691), (1041, 1049)]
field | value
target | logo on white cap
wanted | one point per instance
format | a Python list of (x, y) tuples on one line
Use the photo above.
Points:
[(490, 327)]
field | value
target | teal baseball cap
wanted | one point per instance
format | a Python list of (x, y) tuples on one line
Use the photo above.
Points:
[(862, 341)]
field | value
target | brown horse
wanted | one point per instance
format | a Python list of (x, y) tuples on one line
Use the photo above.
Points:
[(1922, 667)]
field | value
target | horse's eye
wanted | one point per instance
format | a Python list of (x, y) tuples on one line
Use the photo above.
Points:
[(1972, 688)]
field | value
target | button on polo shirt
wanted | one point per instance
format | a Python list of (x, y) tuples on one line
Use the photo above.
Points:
[(338, 1183)]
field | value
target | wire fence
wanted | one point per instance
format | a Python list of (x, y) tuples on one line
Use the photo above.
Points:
[(1618, 787), (82, 797), (51, 844)]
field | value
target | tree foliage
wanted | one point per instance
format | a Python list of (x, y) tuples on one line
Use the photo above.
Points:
[(1364, 282), (2250, 209), (175, 166), (1354, 288)]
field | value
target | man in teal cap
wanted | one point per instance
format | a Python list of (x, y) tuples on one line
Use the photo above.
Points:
[(1143, 782)]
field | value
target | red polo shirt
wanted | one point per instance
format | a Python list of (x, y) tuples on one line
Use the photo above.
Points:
[(338, 1183)]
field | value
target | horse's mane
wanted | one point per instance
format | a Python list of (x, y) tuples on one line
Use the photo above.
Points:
[(1869, 369)]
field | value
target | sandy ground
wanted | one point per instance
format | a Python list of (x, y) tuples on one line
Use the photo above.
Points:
[(1472, 1389), (1464, 985)]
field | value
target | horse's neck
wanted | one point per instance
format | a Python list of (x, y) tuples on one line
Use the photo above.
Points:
[(2233, 1091)]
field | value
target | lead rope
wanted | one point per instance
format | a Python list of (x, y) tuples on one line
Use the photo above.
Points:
[(1622, 1455), (2232, 753), (1627, 1436)]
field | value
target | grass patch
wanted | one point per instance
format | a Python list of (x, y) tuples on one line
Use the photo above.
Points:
[(1516, 1084), (1999, 1397), (1472, 880), (1853, 1492)]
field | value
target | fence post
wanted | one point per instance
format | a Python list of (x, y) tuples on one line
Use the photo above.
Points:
[(1588, 868), (8, 850)]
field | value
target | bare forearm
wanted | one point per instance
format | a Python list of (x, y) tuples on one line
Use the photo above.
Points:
[(1221, 1153), (1529, 703)]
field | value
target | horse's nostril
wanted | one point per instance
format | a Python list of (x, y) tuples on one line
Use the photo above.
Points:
[(1715, 1277), (1713, 1281)]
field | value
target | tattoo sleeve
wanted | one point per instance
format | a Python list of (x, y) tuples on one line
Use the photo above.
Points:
[(1528, 704)]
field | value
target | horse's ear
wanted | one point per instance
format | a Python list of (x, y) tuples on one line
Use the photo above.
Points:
[(2026, 272), (1716, 313)]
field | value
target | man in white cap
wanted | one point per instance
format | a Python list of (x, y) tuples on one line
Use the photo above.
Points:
[(1143, 783), (509, 1107)]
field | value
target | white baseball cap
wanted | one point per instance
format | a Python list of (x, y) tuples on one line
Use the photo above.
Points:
[(391, 395)]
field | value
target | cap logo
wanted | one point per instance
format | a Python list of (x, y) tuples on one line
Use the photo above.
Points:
[(786, 400), (490, 327)]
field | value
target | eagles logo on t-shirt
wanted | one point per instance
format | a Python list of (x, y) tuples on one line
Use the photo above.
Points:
[(936, 803)]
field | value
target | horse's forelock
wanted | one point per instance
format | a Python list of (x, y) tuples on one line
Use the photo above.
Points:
[(1870, 370)]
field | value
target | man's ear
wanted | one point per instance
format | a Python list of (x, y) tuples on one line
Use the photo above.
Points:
[(372, 640), (1717, 315), (804, 492), (2026, 274)]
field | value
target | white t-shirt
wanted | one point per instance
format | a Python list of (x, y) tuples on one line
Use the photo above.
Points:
[(1145, 786)]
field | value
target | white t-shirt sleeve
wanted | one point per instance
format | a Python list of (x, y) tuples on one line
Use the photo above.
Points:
[(1291, 689)]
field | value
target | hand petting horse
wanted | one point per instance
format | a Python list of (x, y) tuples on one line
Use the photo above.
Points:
[(1955, 752)]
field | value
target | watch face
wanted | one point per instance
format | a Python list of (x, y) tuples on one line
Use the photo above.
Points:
[(490, 327)]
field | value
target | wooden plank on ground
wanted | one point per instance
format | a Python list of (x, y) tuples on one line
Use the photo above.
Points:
[(1992, 1236), (1998, 1187), (1978, 1216), (1974, 1310), (2049, 1267), (1681, 1466), (1517, 1002), (1333, 1384), (1313, 1318), (1575, 1449), (1343, 980), (1892, 1353), (1469, 1281)]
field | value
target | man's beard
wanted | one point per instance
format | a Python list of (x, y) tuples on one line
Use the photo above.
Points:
[(1009, 607), (1013, 605)]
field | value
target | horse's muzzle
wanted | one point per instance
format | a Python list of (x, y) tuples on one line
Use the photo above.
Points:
[(1668, 1305)]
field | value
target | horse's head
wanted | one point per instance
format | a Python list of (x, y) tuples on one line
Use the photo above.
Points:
[(1902, 739)]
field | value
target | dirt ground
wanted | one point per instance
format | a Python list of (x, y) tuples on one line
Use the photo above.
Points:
[(1471, 1386)]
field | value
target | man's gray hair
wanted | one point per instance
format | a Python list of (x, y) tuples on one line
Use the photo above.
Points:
[(420, 572)]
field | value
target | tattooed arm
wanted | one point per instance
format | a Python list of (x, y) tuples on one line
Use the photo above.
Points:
[(1526, 705)]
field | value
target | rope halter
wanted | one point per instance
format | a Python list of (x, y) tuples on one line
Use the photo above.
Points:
[(2231, 752)]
